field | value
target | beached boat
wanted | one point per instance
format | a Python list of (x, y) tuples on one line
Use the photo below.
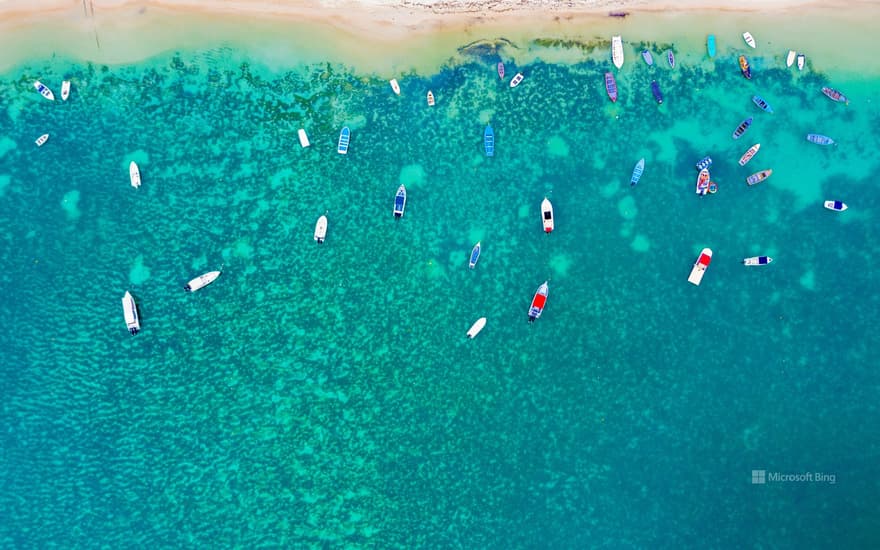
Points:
[(611, 87), (344, 140), (134, 174), (637, 172), (489, 141), (65, 90), (129, 310), (41, 140), (321, 229), (201, 281), (789, 60), (303, 138), (758, 177), (517, 78), (762, 103), (750, 40), (617, 51), (655, 89), (699, 269), (741, 129), (547, 215), (744, 67), (44, 91), (430, 98), (747, 156), (705, 162), (475, 255), (670, 58), (710, 45), (757, 260), (501, 70), (837, 206), (703, 182), (834, 95), (476, 327), (395, 86), (801, 60), (646, 55), (819, 139), (538, 302), (400, 202)]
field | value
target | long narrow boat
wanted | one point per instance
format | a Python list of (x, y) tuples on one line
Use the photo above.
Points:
[(758, 177), (395, 87), (762, 103), (44, 91), (834, 95), (744, 67), (344, 140), (134, 174), (649, 59), (489, 141), (400, 202), (129, 310), (547, 215), (655, 89), (201, 281), (538, 302), (801, 60), (517, 78), (819, 139), (670, 58), (637, 172), (617, 51), (705, 162), (65, 90), (789, 60), (476, 327), (475, 255), (699, 269), (703, 182), (741, 129), (611, 87), (501, 70), (430, 98), (41, 140), (750, 40), (837, 206), (747, 156), (757, 260), (321, 229), (710, 45), (303, 138)]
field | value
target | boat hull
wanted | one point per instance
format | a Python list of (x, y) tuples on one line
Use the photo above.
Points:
[(41, 140), (201, 281), (430, 98), (801, 61), (757, 260), (517, 78), (134, 174), (646, 55), (321, 230), (489, 141), (400, 202), (611, 87), (637, 172), (789, 60), (744, 67), (344, 141), (538, 302), (670, 58), (130, 312), (741, 129), (65, 90), (655, 89), (699, 269), (476, 327), (752, 151), (837, 206), (762, 103), (758, 177), (750, 40), (395, 87), (819, 139), (44, 90), (501, 70), (303, 138), (617, 51), (475, 256), (547, 215), (710, 45), (703, 182)]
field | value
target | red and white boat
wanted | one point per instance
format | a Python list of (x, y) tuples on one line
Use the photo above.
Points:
[(749, 154), (517, 78), (547, 215), (703, 182), (700, 267), (538, 302)]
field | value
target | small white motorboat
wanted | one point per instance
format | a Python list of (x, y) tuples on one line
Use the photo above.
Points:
[(41, 140), (344, 140), (547, 215), (789, 60), (475, 255), (476, 327), (395, 86), (430, 98), (801, 59), (201, 281), (134, 174), (538, 302), (757, 260), (321, 229), (65, 90), (44, 91), (617, 51), (837, 206), (747, 156), (129, 309), (400, 201), (303, 138), (517, 78), (750, 40), (699, 269)]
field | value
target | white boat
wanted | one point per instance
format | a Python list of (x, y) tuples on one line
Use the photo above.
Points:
[(129, 309), (134, 174), (321, 229), (476, 327), (750, 40), (475, 255), (800, 61), (789, 60), (303, 138), (747, 156), (757, 260), (201, 281), (41, 140), (637, 172), (395, 86), (400, 202), (430, 98), (65, 90), (617, 51), (517, 78), (699, 269), (344, 140), (547, 215), (837, 206), (44, 91)]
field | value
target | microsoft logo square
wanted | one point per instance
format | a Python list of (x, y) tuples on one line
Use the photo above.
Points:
[(759, 477)]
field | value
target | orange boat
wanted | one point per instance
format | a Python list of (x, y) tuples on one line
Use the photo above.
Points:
[(744, 67)]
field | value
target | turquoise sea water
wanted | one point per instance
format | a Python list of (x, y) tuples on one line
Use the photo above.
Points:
[(325, 396)]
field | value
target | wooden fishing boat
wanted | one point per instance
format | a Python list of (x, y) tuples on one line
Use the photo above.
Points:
[(489, 141), (834, 95), (747, 156), (646, 55), (741, 129), (670, 58), (637, 172), (744, 67), (344, 140), (501, 70), (819, 139), (611, 87), (538, 302), (762, 103), (758, 177), (699, 269)]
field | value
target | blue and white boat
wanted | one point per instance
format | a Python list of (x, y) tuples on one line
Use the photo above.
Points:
[(837, 206), (655, 89), (475, 255), (762, 103), (489, 141), (344, 139), (757, 260), (44, 91), (646, 55), (819, 139), (637, 172), (741, 129), (704, 163), (670, 57), (400, 202)]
